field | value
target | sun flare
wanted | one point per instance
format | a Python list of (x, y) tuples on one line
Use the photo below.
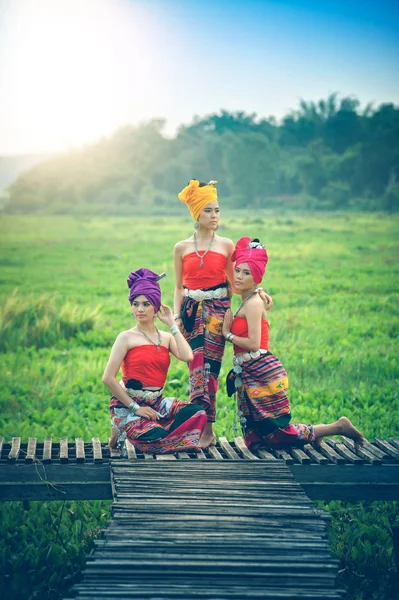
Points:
[(71, 65)]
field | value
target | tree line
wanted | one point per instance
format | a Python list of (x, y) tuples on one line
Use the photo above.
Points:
[(326, 155)]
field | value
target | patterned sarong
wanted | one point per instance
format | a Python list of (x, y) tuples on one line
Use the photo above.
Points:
[(263, 404), (180, 427), (207, 343)]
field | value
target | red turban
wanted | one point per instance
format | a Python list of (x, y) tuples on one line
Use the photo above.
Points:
[(252, 253)]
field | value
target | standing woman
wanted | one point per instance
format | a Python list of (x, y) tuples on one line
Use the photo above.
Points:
[(203, 270), (258, 377), (139, 411)]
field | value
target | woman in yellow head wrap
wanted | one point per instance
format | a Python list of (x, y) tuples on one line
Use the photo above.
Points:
[(203, 270)]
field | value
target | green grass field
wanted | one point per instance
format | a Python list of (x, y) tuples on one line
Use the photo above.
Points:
[(334, 325)]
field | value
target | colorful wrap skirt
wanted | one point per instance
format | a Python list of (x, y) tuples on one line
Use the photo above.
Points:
[(203, 323), (179, 428), (264, 409)]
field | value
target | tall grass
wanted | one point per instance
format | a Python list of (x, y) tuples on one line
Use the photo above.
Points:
[(41, 322), (335, 285)]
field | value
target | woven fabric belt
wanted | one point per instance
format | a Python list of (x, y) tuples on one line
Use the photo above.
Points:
[(144, 394), (200, 295), (243, 357)]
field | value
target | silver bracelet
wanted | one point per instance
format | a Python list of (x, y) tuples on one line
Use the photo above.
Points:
[(174, 330), (133, 406), (177, 316), (229, 336)]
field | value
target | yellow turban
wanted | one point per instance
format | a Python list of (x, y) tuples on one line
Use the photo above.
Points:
[(197, 197)]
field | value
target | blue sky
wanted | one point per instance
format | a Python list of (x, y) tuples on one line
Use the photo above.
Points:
[(72, 71)]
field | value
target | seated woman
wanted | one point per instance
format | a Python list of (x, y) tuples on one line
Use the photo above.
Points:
[(258, 377), (139, 411)]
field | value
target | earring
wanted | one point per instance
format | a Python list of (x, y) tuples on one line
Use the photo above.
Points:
[(197, 225)]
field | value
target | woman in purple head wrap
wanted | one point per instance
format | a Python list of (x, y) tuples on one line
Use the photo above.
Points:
[(139, 411)]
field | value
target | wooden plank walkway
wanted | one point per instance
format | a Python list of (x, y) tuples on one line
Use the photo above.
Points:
[(332, 451), (210, 530), (75, 470)]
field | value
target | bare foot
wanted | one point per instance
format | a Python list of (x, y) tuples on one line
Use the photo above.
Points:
[(208, 436), (112, 443), (348, 430)]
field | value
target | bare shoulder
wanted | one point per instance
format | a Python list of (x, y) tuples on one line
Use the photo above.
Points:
[(254, 303), (123, 336), (226, 242), (181, 247), (127, 338)]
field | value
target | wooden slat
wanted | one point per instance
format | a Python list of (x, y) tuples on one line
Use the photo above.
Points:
[(148, 456), (1, 446), (64, 450), (80, 450), (240, 444), (394, 442), (97, 452), (387, 447), (214, 452), (376, 451), (200, 455), (130, 450), (341, 449), (31, 450), (300, 456), (265, 455), (15, 449), (331, 454), (285, 456), (231, 453), (114, 453), (47, 449), (183, 456), (362, 452), (313, 453), (168, 456)]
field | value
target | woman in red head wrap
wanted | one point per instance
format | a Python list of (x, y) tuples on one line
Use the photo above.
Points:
[(203, 271), (139, 411), (258, 377)]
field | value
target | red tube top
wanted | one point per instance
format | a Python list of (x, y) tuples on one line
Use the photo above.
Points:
[(211, 274), (240, 328), (147, 365)]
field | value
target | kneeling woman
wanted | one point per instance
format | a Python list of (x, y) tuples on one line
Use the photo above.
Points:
[(139, 411), (258, 376)]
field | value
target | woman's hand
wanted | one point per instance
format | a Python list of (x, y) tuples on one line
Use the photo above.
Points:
[(148, 413), (165, 315), (227, 322), (268, 300)]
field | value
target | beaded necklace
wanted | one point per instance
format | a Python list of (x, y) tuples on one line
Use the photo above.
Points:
[(157, 345), (206, 251), (244, 301)]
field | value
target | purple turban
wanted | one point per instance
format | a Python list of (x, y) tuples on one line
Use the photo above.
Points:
[(145, 282)]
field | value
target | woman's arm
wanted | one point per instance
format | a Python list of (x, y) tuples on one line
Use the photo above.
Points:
[(177, 344), (179, 290), (253, 313), (118, 353), (180, 348), (230, 265)]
